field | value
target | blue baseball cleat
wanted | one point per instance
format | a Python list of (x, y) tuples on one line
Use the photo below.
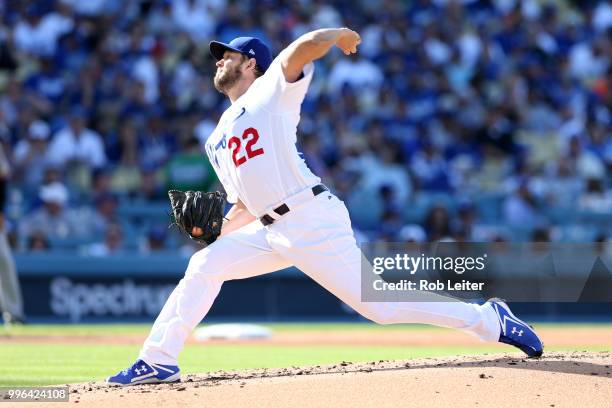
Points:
[(516, 332), (142, 372)]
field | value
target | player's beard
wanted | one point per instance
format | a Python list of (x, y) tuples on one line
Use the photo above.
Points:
[(226, 80)]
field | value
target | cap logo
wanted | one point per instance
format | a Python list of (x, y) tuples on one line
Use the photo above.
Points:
[(251, 52)]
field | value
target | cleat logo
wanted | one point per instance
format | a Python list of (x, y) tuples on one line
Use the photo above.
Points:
[(143, 369), (517, 332)]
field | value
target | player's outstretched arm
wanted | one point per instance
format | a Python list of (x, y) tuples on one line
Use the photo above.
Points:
[(314, 45)]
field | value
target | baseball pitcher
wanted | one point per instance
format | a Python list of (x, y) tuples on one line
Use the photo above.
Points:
[(282, 215)]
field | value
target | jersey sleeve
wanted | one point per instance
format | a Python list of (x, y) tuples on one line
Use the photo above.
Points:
[(280, 94), (232, 194)]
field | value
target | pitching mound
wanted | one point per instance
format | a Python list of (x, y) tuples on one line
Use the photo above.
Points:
[(503, 380)]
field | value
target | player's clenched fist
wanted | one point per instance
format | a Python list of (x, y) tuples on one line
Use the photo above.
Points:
[(348, 41)]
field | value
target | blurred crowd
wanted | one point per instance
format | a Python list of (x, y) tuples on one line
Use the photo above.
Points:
[(458, 119)]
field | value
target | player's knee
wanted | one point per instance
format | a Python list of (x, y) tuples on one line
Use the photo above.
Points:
[(203, 265)]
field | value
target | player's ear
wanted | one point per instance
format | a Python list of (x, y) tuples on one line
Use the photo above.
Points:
[(252, 64)]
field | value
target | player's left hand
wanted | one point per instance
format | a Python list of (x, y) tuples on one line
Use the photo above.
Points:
[(198, 214), (348, 41)]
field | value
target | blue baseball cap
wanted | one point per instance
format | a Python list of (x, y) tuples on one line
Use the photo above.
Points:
[(252, 47)]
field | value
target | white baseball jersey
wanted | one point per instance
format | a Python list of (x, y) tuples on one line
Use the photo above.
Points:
[(253, 147), (253, 152)]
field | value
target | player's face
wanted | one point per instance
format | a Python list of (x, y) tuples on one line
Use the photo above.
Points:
[(229, 71)]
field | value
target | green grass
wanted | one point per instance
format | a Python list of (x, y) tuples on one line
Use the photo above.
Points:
[(29, 364), (44, 364)]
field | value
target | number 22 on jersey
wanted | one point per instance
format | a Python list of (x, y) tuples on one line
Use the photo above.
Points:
[(250, 136)]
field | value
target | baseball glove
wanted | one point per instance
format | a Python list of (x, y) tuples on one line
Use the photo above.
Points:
[(198, 209)]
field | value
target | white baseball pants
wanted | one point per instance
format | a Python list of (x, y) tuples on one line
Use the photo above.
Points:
[(317, 238)]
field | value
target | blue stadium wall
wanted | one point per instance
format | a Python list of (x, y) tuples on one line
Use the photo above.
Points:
[(69, 288)]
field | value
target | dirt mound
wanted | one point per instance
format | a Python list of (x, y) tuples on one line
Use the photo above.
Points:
[(501, 380)]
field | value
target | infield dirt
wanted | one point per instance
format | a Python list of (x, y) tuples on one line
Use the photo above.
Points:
[(560, 379), (502, 380)]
